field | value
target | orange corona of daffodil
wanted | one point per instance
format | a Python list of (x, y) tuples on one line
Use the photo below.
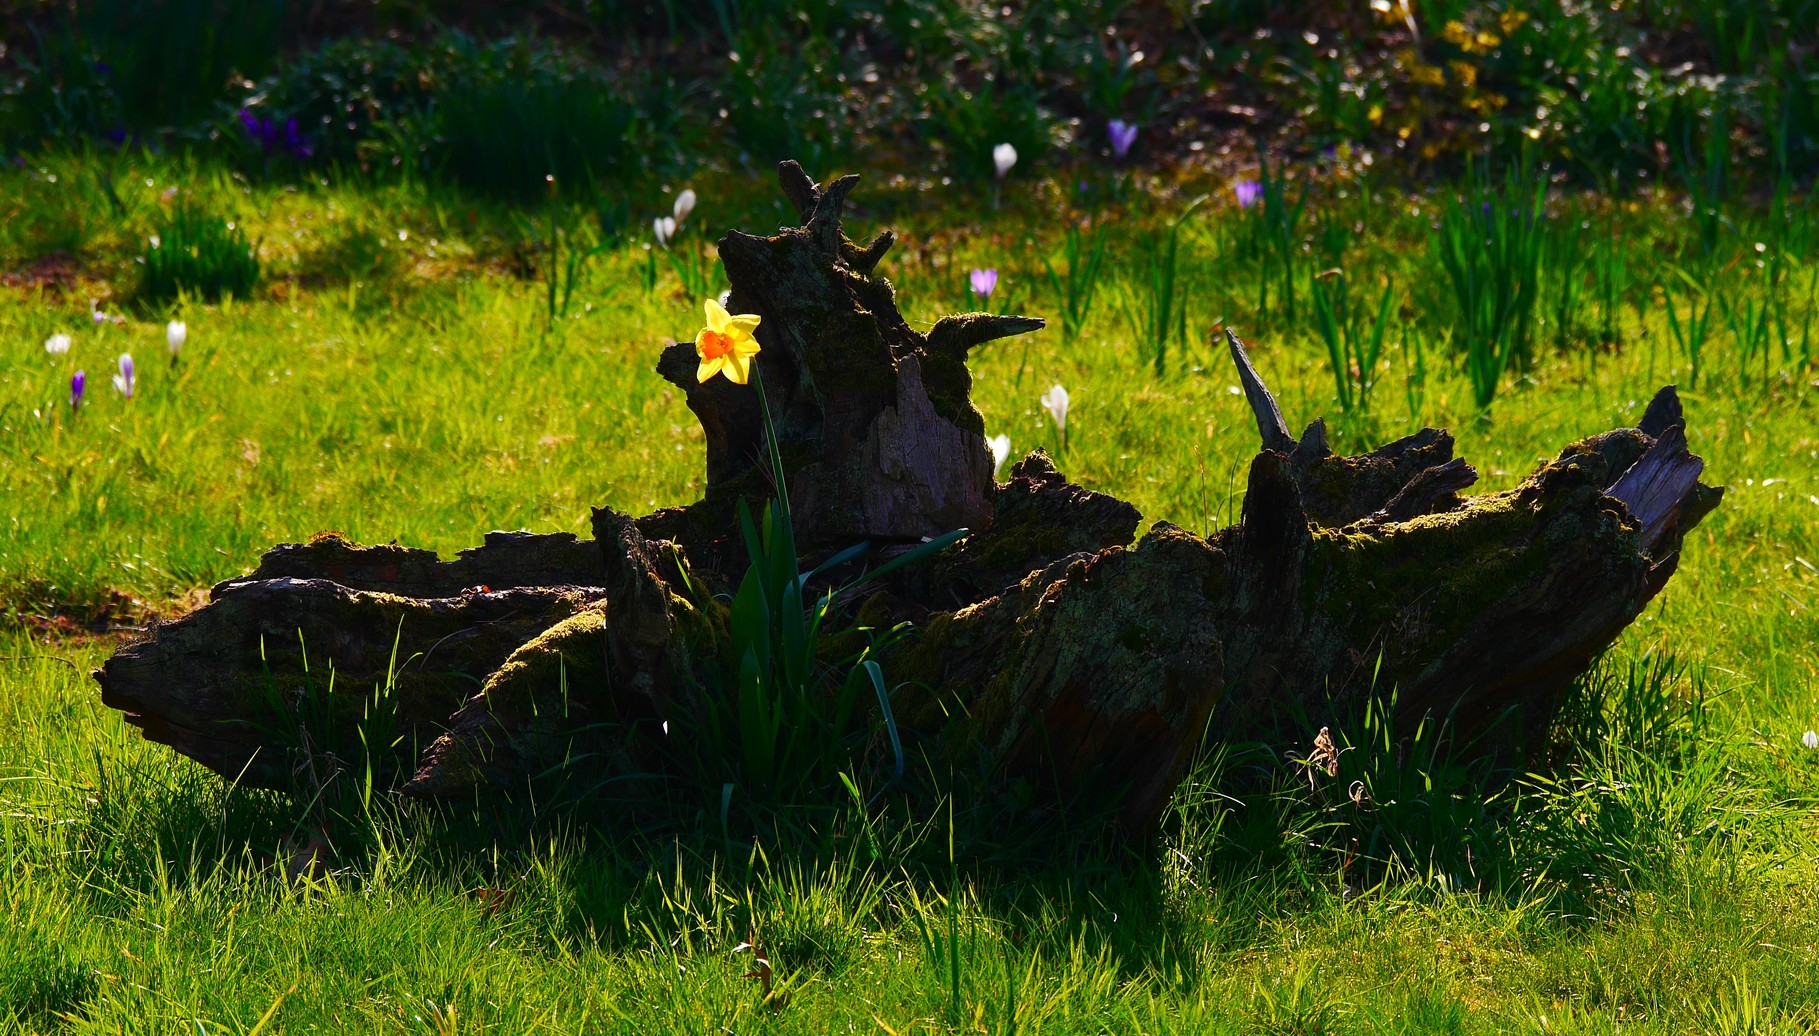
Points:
[(726, 345)]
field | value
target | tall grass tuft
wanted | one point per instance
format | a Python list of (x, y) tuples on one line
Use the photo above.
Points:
[(1489, 243), (1705, 172), (195, 253), (1273, 223), (1076, 283), (1354, 339), (1564, 262), (1646, 798), (1155, 309), (1415, 800), (1690, 333)]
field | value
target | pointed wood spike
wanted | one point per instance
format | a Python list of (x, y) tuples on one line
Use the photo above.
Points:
[(1313, 445), (955, 335), (1663, 413), (866, 260), (1270, 426), (798, 188), (825, 223), (1659, 486)]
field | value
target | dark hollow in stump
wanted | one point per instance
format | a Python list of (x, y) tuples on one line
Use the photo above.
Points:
[(1052, 649)]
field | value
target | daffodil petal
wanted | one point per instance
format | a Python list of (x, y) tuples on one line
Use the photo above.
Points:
[(746, 322), (745, 348), (717, 317), (708, 368), (738, 368)]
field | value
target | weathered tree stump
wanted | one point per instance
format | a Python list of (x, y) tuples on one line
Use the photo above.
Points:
[(1051, 649)]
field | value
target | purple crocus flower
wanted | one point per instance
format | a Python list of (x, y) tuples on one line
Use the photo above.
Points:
[(1123, 135), (123, 381), (294, 140), (77, 383), (1248, 192), (984, 281), (256, 128), (273, 139)]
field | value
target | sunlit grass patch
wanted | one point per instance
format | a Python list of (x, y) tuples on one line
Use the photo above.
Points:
[(399, 375)]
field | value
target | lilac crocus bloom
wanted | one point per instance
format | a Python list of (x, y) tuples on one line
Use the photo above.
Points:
[(123, 381), (258, 129), (1123, 135), (275, 139), (984, 281), (295, 142), (1248, 192), (77, 383)]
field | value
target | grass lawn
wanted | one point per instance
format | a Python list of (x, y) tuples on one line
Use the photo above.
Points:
[(401, 373)]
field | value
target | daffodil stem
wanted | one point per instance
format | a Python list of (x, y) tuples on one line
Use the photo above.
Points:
[(772, 446)]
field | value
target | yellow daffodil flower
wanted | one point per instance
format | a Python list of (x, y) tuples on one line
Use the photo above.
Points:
[(726, 345)]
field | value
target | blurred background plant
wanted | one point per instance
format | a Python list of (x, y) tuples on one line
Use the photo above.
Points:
[(199, 254), (1712, 95)]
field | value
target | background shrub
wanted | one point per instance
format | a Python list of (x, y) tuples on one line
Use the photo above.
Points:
[(612, 94)]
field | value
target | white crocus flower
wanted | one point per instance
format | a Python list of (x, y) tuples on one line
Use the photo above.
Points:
[(1055, 402), (1810, 739), (57, 344), (1001, 452), (175, 333), (665, 228), (1004, 156), (685, 204), (123, 381)]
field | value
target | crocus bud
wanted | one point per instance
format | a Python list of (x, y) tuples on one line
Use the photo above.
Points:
[(1001, 452), (1003, 157), (77, 383), (175, 333), (1055, 402), (57, 344), (123, 381), (665, 228), (685, 204), (1247, 192)]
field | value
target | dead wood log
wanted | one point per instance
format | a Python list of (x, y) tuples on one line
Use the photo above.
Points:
[(1052, 651)]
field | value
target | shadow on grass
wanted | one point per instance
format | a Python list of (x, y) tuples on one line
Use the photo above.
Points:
[(1256, 841)]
